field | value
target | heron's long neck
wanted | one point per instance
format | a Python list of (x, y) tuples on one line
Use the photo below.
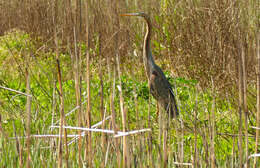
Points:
[(148, 58)]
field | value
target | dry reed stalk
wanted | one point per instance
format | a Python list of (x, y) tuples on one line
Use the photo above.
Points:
[(106, 155), (112, 107), (88, 149), (212, 128), (103, 138), (62, 118), (182, 141), (165, 137), (258, 94), (205, 144), (28, 112), (76, 68), (160, 133), (57, 60), (245, 108), (195, 156), (112, 82), (62, 115), (78, 18), (126, 156), (150, 143), (181, 146), (240, 106), (233, 151), (1, 128), (138, 124), (53, 105), (19, 147), (161, 125)]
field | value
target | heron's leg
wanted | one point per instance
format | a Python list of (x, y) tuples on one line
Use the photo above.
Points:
[(165, 125), (157, 111)]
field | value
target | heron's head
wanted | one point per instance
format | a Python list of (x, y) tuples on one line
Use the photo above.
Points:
[(140, 14)]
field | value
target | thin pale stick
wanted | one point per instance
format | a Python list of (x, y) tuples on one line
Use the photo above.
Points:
[(16, 91)]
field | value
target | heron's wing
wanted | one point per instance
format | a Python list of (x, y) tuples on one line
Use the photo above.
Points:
[(168, 86)]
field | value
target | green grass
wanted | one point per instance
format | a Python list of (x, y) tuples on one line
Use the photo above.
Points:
[(16, 46)]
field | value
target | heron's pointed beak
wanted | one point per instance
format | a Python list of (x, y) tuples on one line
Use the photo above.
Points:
[(130, 14)]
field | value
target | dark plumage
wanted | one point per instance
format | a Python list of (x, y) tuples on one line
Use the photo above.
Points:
[(160, 87)]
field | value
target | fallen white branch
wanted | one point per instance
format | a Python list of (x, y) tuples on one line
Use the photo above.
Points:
[(254, 155), (100, 122), (45, 136), (76, 138), (67, 114), (87, 129), (93, 126), (184, 164), (255, 127), (119, 133), (131, 132), (16, 91)]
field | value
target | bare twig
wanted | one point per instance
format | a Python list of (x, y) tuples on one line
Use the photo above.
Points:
[(131, 132), (117, 134), (94, 126), (16, 91), (182, 164), (46, 136)]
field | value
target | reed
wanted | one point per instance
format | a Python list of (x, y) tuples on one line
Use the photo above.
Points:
[(28, 123), (258, 95), (88, 149)]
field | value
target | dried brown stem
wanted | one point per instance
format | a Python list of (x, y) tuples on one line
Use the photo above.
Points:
[(245, 108), (103, 136), (126, 157), (112, 107), (28, 123), (62, 119), (78, 95), (212, 128), (195, 155), (88, 149), (258, 95), (240, 109)]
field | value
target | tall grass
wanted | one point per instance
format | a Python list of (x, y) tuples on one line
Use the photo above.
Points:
[(205, 48)]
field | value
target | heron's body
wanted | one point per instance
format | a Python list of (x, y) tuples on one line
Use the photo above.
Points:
[(160, 87)]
